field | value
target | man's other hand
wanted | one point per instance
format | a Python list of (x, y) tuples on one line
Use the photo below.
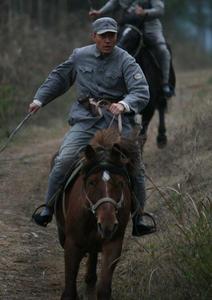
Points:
[(140, 11), (94, 13), (33, 107)]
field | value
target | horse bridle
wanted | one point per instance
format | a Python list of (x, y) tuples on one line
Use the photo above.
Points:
[(113, 169), (117, 205), (132, 27)]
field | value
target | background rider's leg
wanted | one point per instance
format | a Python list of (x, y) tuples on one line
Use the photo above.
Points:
[(157, 40)]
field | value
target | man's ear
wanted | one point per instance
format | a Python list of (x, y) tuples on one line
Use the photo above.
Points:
[(93, 36)]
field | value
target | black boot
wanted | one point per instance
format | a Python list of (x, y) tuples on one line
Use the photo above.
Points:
[(140, 227), (167, 92), (141, 221), (44, 217)]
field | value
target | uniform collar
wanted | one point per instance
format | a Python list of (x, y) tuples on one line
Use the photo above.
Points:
[(98, 53)]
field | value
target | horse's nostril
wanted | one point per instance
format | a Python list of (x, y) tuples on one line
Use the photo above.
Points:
[(105, 231)]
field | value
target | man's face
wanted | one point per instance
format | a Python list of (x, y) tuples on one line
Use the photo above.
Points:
[(105, 42)]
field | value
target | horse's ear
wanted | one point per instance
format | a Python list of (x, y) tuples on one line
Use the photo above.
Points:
[(89, 152), (118, 155)]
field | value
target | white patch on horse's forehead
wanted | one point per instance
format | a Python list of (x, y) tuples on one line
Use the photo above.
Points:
[(105, 176)]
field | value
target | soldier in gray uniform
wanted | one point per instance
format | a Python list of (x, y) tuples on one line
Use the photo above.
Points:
[(100, 71), (149, 12)]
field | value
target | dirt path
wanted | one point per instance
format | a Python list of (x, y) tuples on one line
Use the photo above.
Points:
[(31, 260), (29, 255)]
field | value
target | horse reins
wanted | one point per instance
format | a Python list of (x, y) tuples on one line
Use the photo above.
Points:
[(105, 103), (93, 207), (141, 38)]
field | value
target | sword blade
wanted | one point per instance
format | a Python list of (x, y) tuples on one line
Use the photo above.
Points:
[(15, 131)]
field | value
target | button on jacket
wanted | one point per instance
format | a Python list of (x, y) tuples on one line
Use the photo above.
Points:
[(114, 77)]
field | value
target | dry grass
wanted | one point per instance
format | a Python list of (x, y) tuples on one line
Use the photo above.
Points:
[(176, 262)]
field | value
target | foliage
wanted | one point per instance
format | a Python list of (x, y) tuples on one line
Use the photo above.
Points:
[(6, 106), (25, 61), (48, 12), (192, 250)]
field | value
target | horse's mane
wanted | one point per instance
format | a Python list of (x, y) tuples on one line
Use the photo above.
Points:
[(104, 140)]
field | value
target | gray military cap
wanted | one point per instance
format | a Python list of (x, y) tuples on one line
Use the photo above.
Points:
[(105, 24)]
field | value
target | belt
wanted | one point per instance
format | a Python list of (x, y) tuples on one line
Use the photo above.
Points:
[(95, 106)]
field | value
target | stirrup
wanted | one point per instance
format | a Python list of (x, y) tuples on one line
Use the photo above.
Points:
[(41, 220), (142, 229)]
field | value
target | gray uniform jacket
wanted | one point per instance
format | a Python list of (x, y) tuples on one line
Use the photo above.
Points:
[(114, 77), (154, 12)]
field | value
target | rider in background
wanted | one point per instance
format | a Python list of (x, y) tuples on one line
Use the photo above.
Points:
[(145, 14)]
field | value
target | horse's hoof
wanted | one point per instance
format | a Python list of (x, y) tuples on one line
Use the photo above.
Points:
[(162, 141), (66, 296)]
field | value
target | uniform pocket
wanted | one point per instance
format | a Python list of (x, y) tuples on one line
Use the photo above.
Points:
[(85, 71), (112, 78)]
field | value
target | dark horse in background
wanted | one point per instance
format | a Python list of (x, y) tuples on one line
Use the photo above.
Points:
[(94, 212), (131, 39)]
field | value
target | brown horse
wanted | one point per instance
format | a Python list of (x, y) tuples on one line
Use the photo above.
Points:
[(95, 213)]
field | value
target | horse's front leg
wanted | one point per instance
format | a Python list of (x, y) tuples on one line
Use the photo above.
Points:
[(73, 257), (110, 255), (161, 138), (146, 118), (91, 276)]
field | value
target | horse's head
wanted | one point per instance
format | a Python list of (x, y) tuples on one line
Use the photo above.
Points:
[(130, 39), (106, 184)]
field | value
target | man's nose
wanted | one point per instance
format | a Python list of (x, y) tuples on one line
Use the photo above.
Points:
[(108, 39)]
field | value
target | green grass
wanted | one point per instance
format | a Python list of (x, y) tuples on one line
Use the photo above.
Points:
[(6, 105), (192, 251), (209, 81), (7, 108)]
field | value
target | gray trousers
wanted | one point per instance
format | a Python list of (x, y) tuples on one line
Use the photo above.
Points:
[(157, 40), (74, 141)]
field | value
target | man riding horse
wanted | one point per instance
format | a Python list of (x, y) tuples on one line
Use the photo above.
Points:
[(144, 14), (100, 71)]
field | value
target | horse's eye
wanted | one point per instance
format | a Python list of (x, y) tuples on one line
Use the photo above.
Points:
[(121, 184), (91, 183)]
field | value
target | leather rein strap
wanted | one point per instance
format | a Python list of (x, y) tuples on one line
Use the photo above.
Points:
[(105, 103), (117, 205)]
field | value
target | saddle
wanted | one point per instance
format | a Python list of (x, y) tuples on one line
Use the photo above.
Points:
[(72, 175)]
